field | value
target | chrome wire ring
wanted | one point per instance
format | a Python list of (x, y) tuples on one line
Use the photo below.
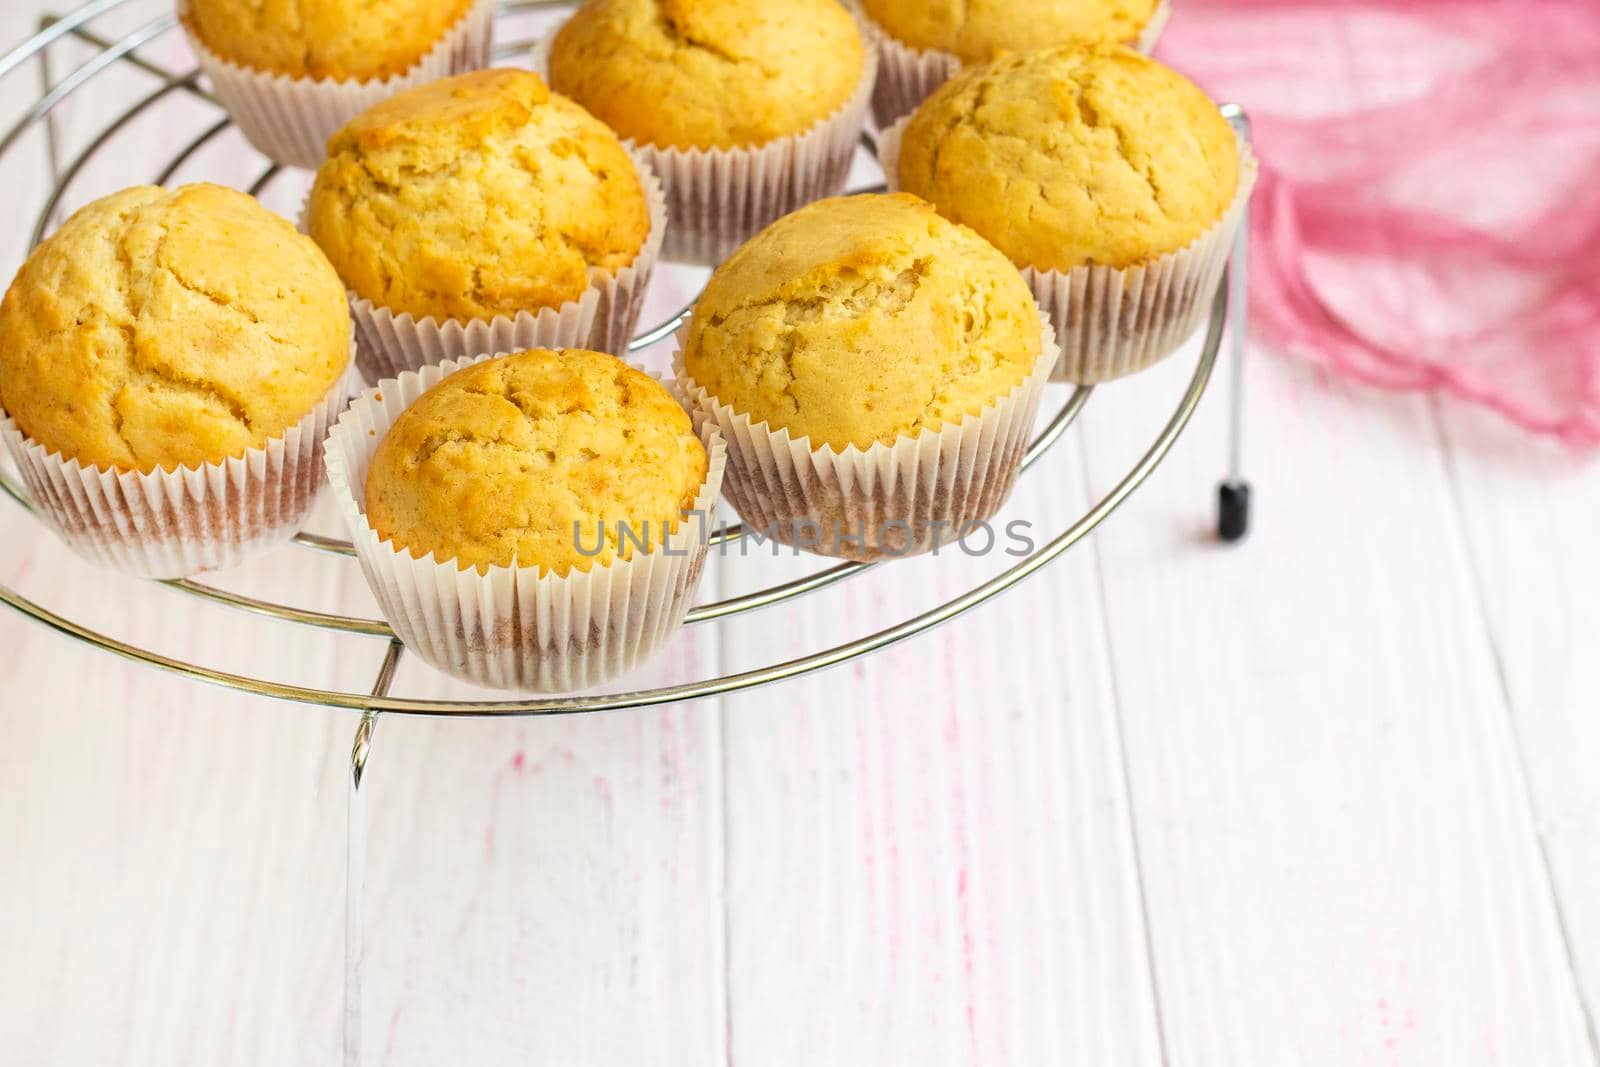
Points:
[(124, 50)]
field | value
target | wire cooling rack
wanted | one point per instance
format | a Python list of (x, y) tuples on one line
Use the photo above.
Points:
[(129, 50)]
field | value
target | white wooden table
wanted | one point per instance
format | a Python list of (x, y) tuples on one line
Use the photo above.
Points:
[(1330, 797)]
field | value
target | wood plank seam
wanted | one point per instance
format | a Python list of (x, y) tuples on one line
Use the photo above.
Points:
[(1128, 799)]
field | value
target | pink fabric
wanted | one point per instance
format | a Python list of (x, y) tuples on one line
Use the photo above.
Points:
[(1429, 211)]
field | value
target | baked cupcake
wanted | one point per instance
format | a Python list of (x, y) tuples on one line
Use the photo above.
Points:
[(1110, 179), (746, 111), (875, 370), (484, 213), (535, 521), (290, 74), (169, 364), (923, 43)]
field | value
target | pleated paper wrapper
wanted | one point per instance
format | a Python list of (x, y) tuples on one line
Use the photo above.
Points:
[(289, 120), (884, 502), (1112, 322), (173, 524), (603, 319), (513, 628), (907, 76), (719, 198)]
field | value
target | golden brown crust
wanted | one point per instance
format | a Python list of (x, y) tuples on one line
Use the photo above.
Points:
[(709, 73), (862, 319), (976, 31), (166, 329), (476, 196), (525, 456), (344, 40), (1063, 157)]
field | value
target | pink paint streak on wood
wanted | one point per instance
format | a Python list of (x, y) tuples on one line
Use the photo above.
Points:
[(958, 831)]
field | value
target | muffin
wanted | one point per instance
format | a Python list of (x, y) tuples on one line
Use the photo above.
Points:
[(344, 40), (1095, 161), (533, 521), (290, 74), (709, 73), (922, 43), (500, 464), (876, 368), (184, 346), (747, 111), (481, 213)]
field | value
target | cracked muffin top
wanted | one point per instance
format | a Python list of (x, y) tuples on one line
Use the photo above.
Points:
[(345, 40), (476, 196), (1063, 157), (862, 319), (525, 458), (162, 328), (709, 73), (976, 31)]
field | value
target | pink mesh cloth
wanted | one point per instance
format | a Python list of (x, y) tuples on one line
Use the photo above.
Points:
[(1429, 211)]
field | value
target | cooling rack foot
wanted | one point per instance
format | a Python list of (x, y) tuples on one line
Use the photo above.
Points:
[(1233, 511)]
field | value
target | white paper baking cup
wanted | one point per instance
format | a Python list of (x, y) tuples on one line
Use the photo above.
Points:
[(603, 319), (289, 120), (1112, 322), (513, 627), (719, 198), (173, 524), (907, 76), (883, 502)]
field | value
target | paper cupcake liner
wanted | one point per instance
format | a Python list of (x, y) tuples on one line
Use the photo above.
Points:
[(1112, 322), (603, 319), (884, 502), (907, 76), (719, 198), (173, 524), (513, 628), (289, 120)]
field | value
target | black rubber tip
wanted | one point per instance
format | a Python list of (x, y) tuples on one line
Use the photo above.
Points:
[(1233, 511)]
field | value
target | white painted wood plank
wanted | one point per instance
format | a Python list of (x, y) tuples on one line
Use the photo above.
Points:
[(546, 891), (169, 846), (522, 873), (1340, 863), (1531, 509), (928, 852)]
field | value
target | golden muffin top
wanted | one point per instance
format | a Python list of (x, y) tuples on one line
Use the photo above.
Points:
[(1063, 157), (162, 328), (480, 195), (523, 458), (979, 30), (861, 319), (345, 40), (709, 73)]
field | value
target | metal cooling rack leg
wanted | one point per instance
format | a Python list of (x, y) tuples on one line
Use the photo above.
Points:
[(47, 82), (1233, 495), (355, 878)]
